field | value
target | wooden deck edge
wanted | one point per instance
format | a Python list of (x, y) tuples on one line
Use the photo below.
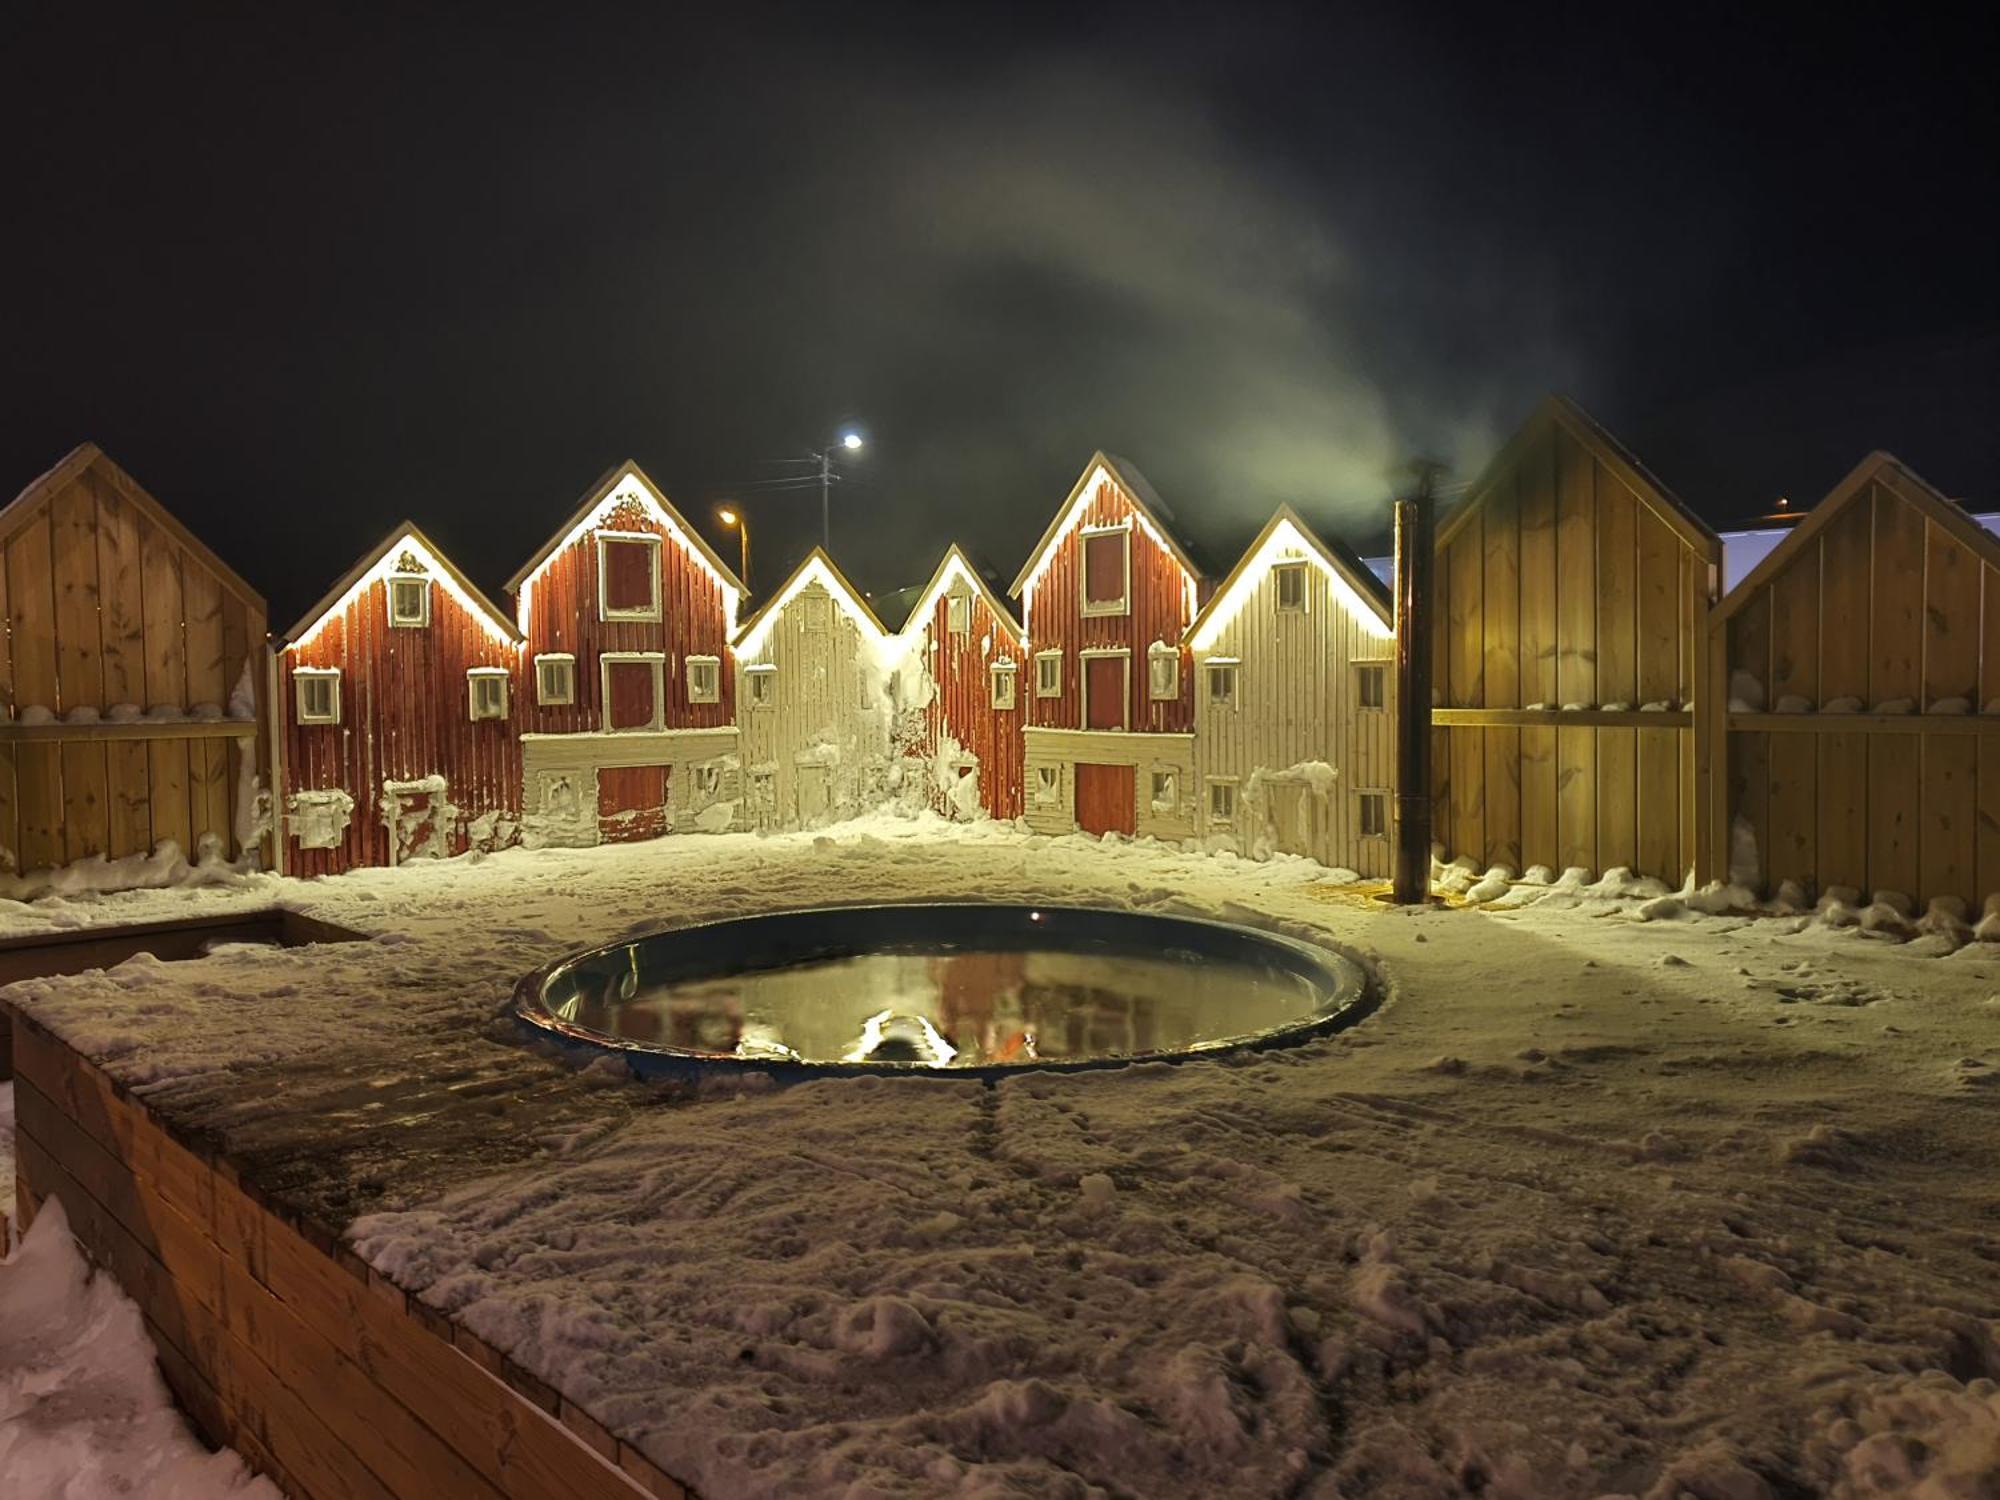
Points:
[(277, 1339)]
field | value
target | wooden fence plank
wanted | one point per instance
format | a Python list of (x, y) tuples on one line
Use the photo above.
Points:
[(1576, 576), (1502, 785), (1662, 617), (1465, 660), (86, 812), (1795, 630), (1948, 834), (1846, 603), (1794, 812), (1501, 607), (1951, 619), (1536, 502), (1895, 669), (1576, 798), (1749, 809), (1539, 844), (1658, 833), (1893, 811)]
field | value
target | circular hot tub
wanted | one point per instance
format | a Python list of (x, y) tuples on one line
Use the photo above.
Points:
[(961, 988)]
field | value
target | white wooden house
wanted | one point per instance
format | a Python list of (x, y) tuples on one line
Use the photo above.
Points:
[(813, 701), (1294, 695)]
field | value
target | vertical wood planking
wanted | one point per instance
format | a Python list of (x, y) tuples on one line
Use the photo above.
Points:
[(1576, 653), (1749, 850), (1539, 844), (38, 768), (168, 768), (1793, 773), (1894, 812), (1947, 837), (85, 808), (1617, 671), (1842, 797), (1795, 630), (1951, 615), (1502, 801), (1465, 656), (207, 685), (1897, 636), (1846, 547), (1536, 500), (10, 825)]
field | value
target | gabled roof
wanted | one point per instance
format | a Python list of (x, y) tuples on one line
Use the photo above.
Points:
[(956, 563), (1149, 506), (23, 507), (817, 567), (1561, 412), (620, 482), (381, 560), (1360, 590), (1880, 468)]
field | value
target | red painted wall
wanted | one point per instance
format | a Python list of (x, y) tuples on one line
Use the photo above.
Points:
[(963, 706), (403, 716), (563, 617), (1160, 612)]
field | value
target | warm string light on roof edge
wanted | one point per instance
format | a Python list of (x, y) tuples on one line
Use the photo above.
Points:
[(954, 567), (629, 489), (390, 566), (815, 571), (1286, 537), (1100, 474)]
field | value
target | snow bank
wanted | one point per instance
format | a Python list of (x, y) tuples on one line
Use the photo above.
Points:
[(166, 867), (83, 1410)]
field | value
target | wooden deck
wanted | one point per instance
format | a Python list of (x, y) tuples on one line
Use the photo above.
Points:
[(277, 1339)]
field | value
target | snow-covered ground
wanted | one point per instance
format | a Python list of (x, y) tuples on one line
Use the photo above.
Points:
[(83, 1411), (1595, 1205)]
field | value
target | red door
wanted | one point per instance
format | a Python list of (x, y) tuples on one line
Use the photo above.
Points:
[(629, 699), (631, 803), (1104, 691), (1104, 799)]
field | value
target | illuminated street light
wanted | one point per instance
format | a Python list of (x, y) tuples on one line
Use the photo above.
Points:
[(733, 518), (850, 441)]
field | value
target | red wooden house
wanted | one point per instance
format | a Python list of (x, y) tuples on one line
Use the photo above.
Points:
[(396, 698), (970, 650), (1106, 599), (628, 713)]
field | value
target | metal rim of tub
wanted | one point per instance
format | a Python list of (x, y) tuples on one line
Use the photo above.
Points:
[(1354, 988)]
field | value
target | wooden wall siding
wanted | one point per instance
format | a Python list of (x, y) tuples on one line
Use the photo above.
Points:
[(279, 1343), (1296, 702), (1063, 750), (961, 707), (1161, 610), (562, 617), (580, 759), (104, 604), (1566, 599), (1885, 604), (829, 708), (404, 715)]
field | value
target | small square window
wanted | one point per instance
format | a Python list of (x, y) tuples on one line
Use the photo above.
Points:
[(958, 614), (1222, 684), (1163, 672), (763, 686), (555, 678), (318, 693), (1290, 579), (1222, 801), (1166, 798), (1048, 674), (1003, 684), (1372, 686), (704, 679), (1374, 814), (1048, 785), (488, 688), (409, 601), (816, 612)]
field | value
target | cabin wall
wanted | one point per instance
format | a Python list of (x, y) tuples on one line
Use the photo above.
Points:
[(1162, 604), (1893, 612), (405, 715), (1569, 620), (961, 708), (1296, 703), (107, 611), (1062, 751), (819, 750)]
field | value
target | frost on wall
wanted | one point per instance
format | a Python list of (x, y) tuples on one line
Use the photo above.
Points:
[(318, 820), (416, 815), (565, 815), (1318, 781)]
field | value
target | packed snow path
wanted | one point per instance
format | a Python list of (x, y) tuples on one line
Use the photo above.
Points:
[(1591, 1207)]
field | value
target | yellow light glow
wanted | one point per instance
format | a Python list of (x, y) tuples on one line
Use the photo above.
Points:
[(1098, 475), (407, 544), (1287, 543), (815, 571), (630, 490)]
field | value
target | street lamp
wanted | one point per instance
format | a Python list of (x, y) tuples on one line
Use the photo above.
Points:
[(851, 441), (736, 521)]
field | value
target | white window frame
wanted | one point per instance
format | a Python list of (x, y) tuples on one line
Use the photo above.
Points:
[(562, 659), (658, 661), (1361, 669), (1214, 670), (1161, 651), (649, 539), (422, 617), (1123, 604), (1043, 660), (1361, 796), (958, 613), (474, 676), (329, 675), (759, 695), (1004, 680), (1279, 573), (1173, 775), (1048, 787), (713, 693), (816, 612), (1085, 657), (1222, 784)]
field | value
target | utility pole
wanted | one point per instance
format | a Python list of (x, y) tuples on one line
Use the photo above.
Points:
[(825, 508), (1416, 533)]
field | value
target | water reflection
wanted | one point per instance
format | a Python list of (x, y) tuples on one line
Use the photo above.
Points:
[(937, 1009)]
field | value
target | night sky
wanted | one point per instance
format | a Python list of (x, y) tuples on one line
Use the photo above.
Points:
[(306, 275)]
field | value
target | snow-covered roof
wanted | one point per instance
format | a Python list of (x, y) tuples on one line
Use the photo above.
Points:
[(817, 568), (619, 484), (1349, 577), (955, 564), (1151, 511), (385, 558)]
